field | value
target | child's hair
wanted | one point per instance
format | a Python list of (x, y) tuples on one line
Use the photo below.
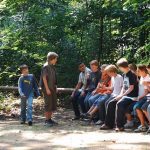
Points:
[(80, 63), (51, 56), (22, 67), (95, 63), (122, 63), (111, 68), (142, 68), (133, 67), (104, 66), (148, 66)]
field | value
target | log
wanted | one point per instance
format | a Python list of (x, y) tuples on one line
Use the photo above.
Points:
[(13, 88)]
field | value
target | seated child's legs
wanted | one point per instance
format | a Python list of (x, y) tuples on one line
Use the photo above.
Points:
[(29, 108), (108, 100), (148, 111), (139, 104), (110, 113), (101, 106), (93, 98), (145, 107), (75, 103), (81, 103), (122, 105), (86, 100)]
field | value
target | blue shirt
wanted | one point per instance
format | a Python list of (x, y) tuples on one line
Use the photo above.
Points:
[(27, 85)]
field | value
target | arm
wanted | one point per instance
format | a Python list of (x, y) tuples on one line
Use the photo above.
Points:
[(44, 78), (141, 97), (20, 87), (46, 85)]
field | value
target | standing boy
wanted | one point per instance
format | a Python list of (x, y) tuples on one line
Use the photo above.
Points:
[(49, 87), (27, 86)]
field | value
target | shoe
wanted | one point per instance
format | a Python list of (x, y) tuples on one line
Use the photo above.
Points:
[(119, 129), (30, 123), (53, 122), (22, 122), (99, 122), (83, 115), (148, 131), (75, 118), (129, 125), (140, 129), (87, 116), (48, 124), (104, 127)]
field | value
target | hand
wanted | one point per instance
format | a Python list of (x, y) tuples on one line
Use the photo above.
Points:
[(93, 93), (136, 99), (72, 95), (82, 93), (48, 92), (118, 97), (39, 97)]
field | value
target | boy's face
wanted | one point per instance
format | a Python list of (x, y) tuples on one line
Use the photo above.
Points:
[(111, 74), (104, 75), (94, 68), (82, 68), (25, 71), (124, 70), (140, 73), (54, 61)]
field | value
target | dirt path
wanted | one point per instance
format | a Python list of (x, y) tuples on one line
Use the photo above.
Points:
[(67, 135)]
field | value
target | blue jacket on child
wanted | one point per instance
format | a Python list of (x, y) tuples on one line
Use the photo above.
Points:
[(27, 85)]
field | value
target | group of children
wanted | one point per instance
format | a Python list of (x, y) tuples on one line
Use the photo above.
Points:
[(28, 87), (105, 97), (112, 100)]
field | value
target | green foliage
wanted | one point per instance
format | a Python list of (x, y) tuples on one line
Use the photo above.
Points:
[(78, 30)]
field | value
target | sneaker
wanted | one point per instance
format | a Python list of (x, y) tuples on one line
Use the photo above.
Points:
[(129, 125), (140, 129), (148, 131), (104, 127), (53, 122), (99, 122), (87, 116), (119, 129), (30, 123), (22, 122), (48, 124)]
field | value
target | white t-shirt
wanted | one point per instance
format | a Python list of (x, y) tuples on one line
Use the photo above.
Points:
[(146, 79), (117, 83), (83, 77)]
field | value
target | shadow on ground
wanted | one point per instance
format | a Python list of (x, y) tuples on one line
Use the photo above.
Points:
[(67, 135)]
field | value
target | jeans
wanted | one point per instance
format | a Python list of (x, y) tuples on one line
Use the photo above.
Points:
[(78, 100), (26, 114), (86, 100), (93, 98), (139, 104), (101, 106), (121, 108), (148, 111), (110, 106)]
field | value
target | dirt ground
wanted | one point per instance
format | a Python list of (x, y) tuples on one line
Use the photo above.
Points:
[(67, 135)]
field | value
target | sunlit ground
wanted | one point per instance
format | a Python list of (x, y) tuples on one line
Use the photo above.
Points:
[(68, 135)]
